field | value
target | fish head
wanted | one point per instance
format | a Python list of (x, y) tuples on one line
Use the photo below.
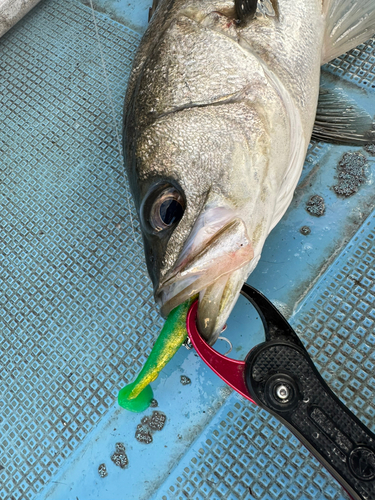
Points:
[(197, 177), (207, 143)]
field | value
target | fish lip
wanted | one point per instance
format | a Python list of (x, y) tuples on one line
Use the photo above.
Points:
[(189, 281)]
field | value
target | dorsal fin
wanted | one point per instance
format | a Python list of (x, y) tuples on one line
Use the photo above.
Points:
[(348, 23)]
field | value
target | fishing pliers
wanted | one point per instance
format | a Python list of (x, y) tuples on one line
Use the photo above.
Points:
[(279, 376)]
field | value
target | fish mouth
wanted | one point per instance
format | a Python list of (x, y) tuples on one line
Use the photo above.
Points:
[(215, 270)]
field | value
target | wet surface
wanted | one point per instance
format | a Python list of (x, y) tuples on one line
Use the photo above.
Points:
[(316, 206), (350, 174), (130, 13)]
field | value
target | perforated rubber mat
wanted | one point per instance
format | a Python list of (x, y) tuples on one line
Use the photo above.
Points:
[(356, 65), (76, 307), (77, 318)]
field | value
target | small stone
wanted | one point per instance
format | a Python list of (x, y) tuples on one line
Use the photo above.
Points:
[(305, 230), (145, 420), (185, 380), (157, 421), (143, 435), (316, 206), (154, 403), (102, 469), (119, 457)]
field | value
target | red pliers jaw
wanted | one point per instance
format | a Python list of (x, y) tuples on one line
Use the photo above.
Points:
[(229, 370)]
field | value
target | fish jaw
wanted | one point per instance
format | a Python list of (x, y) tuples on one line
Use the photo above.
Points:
[(215, 268), (217, 301)]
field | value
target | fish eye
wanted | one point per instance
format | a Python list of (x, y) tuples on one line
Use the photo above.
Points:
[(166, 209)]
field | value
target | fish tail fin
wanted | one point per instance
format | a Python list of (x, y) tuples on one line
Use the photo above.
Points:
[(348, 23)]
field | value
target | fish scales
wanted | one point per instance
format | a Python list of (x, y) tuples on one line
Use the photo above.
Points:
[(189, 56)]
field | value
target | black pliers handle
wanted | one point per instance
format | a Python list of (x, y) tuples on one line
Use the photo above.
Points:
[(279, 376)]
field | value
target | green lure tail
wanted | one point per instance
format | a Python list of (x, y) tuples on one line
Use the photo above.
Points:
[(137, 396)]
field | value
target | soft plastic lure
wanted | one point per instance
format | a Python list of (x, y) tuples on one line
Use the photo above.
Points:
[(137, 396)]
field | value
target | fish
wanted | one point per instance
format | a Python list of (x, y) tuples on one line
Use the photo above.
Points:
[(222, 101)]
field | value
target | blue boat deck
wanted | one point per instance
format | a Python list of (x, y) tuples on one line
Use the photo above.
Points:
[(77, 317)]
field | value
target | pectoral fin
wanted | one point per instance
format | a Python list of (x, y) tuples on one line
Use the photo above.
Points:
[(339, 119)]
